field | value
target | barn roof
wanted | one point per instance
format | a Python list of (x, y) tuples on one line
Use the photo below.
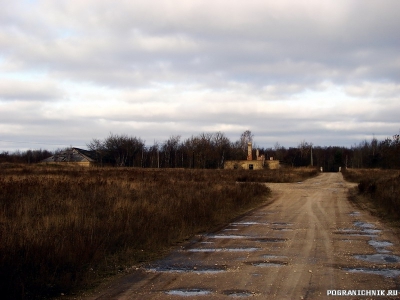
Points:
[(72, 155)]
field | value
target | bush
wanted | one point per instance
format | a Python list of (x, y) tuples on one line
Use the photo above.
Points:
[(382, 188)]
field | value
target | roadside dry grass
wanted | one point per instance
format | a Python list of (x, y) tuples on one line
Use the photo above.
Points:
[(378, 190), (63, 228)]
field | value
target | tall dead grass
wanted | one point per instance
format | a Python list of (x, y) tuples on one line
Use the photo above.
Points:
[(380, 187), (62, 227)]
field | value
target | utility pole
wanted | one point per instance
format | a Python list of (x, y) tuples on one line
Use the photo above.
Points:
[(312, 162)]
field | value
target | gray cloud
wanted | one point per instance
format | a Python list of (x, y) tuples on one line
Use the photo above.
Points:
[(11, 90), (282, 68)]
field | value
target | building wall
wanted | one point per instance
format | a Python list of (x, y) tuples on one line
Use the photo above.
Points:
[(273, 164), (257, 164), (243, 164), (72, 164)]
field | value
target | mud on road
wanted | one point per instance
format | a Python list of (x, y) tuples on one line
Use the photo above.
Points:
[(309, 241)]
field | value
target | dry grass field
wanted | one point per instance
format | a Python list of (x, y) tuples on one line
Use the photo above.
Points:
[(63, 228), (379, 189)]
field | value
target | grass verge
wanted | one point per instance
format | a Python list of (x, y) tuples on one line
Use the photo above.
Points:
[(377, 191), (64, 228)]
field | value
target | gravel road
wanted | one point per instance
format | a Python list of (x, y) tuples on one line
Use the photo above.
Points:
[(310, 243)]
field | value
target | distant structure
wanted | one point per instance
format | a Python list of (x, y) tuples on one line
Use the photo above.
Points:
[(250, 151), (74, 157), (251, 164)]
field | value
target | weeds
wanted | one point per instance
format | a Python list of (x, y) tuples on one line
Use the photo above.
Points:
[(380, 187), (62, 228), (280, 175)]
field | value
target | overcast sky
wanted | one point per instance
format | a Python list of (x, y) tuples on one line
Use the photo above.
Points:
[(327, 72)]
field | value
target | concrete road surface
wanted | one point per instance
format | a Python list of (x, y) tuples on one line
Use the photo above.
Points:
[(310, 243)]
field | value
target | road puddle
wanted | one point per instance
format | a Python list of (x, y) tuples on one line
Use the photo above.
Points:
[(189, 292), (379, 258), (188, 269), (268, 264), (267, 256), (270, 240), (247, 223), (283, 229), (282, 224), (371, 231), (353, 232), (248, 237), (231, 236), (355, 213), (244, 249), (238, 293), (380, 245), (389, 273), (271, 263), (363, 224), (366, 228)]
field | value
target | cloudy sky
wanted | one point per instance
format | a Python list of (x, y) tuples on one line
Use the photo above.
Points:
[(327, 72)]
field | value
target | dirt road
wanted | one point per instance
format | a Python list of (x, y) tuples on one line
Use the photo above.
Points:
[(310, 242)]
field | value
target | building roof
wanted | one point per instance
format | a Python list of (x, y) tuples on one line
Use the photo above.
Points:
[(72, 155)]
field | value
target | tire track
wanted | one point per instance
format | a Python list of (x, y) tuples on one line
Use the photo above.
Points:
[(291, 249)]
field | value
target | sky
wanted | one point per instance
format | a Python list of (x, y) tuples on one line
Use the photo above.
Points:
[(324, 72)]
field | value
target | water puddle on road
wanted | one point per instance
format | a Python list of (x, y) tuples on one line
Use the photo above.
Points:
[(371, 231), (268, 264), (355, 213), (247, 223), (379, 258), (353, 232), (267, 256), (244, 249), (238, 293), (367, 228), (380, 245), (189, 292), (189, 269), (270, 240), (248, 237), (232, 236), (363, 224), (389, 273), (282, 229), (271, 263), (282, 224)]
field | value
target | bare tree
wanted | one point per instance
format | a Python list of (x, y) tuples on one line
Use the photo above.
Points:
[(170, 148), (245, 138), (99, 148)]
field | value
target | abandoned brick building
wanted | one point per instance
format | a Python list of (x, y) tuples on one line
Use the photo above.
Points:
[(252, 164)]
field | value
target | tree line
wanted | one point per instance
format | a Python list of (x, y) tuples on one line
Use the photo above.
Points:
[(211, 150)]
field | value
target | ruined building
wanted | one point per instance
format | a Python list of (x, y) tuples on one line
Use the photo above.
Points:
[(252, 164)]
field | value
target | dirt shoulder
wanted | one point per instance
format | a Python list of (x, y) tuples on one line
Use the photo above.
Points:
[(311, 241)]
